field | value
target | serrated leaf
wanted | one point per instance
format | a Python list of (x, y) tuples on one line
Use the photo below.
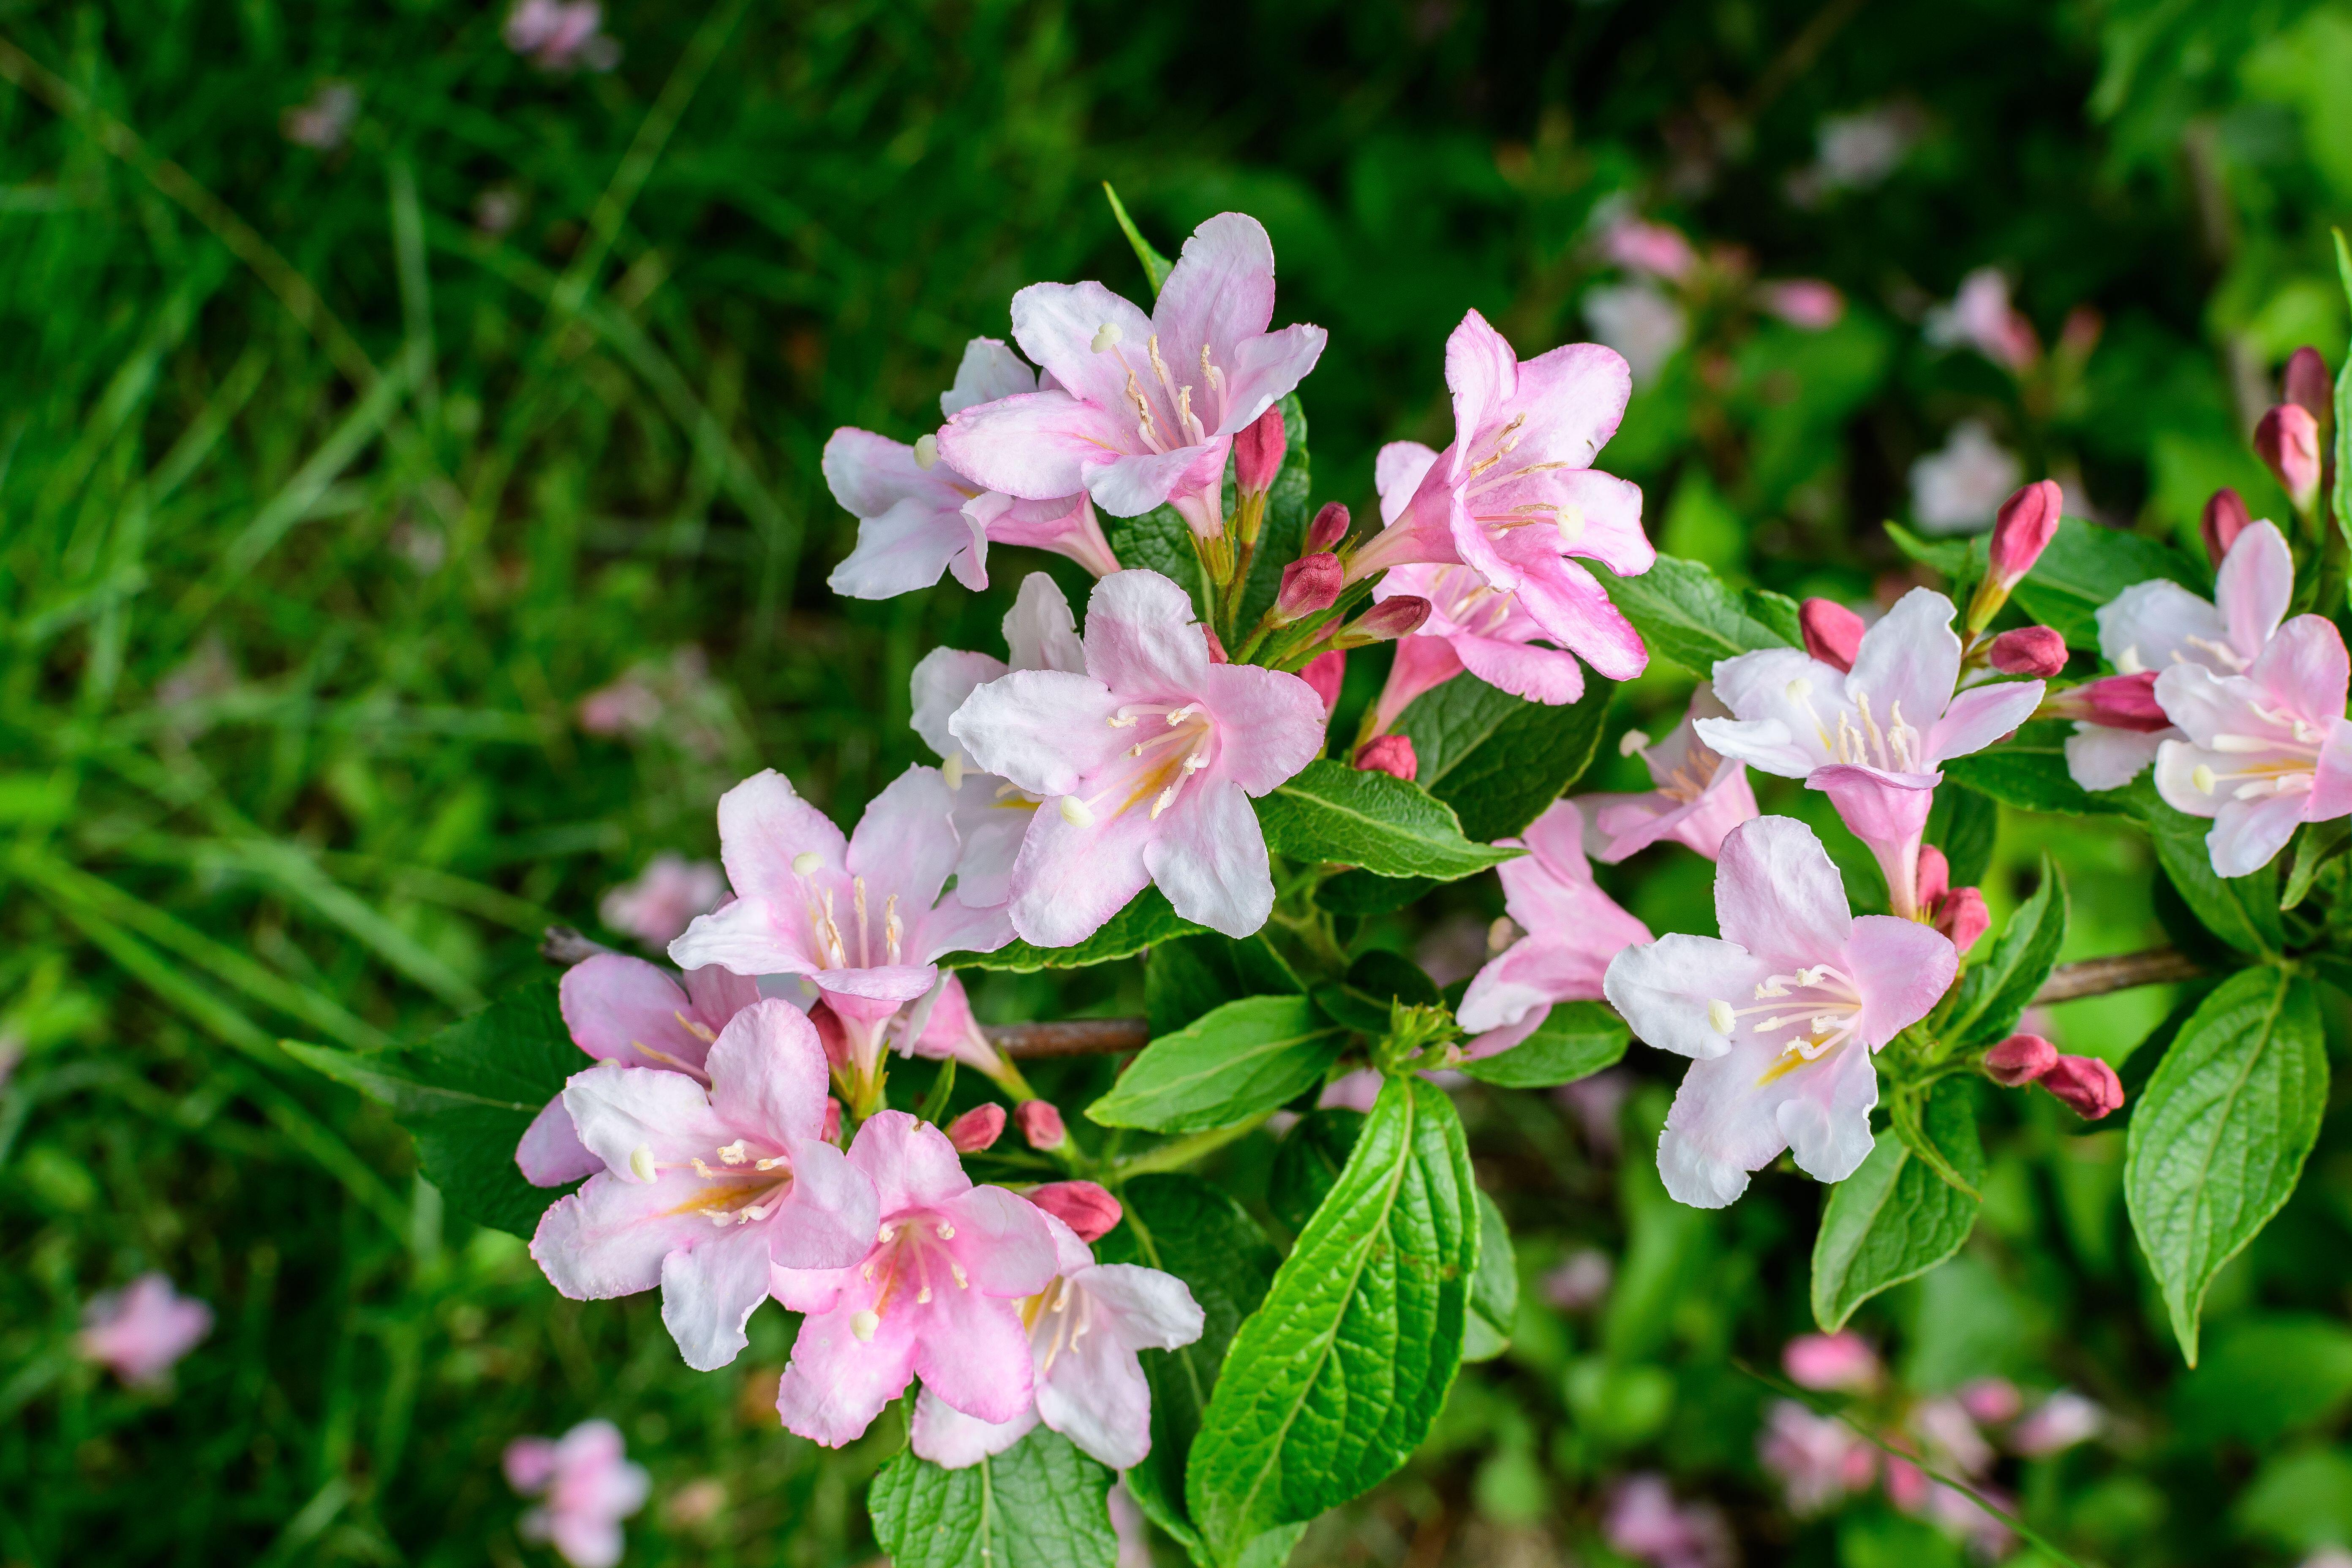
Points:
[(1575, 1040), (1147, 921), (1374, 981), (1894, 1218), (1231, 1064), (1493, 1288), (1334, 1381), (1039, 1504), (1194, 975), (1952, 557), (2241, 911), (1308, 1162), (2316, 845), (1159, 541), (1994, 994), (2028, 771), (2221, 1132), (1331, 813), (1689, 617), (1499, 760)]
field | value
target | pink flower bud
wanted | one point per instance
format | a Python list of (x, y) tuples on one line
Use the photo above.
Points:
[(2022, 530), (2306, 385), (1041, 1124), (1962, 916), (2088, 1085), (1934, 875), (1805, 302), (977, 1129), (1389, 620), (1830, 1361), (1390, 754), (1832, 633), (1258, 453), (2225, 518), (2028, 650), (2020, 1060), (2288, 440), (1216, 648), (1992, 1400), (1330, 527), (1324, 672), (1085, 1208), (1310, 583), (831, 1129), (2115, 703)]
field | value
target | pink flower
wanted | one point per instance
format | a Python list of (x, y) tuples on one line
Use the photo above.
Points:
[(664, 899), (1831, 633), (1959, 489), (586, 1485), (936, 1294), (1806, 303), (2287, 439), (1144, 408), (1842, 1360), (1780, 1016), (1085, 1207), (1041, 1124), (2028, 650), (1153, 754), (1127, 1524), (1324, 672), (2266, 751), (2152, 627), (1486, 631), (1639, 321), (1310, 584), (1084, 1329), (2084, 1084), (1873, 738), (2020, 1060), (918, 516), (950, 1031), (1515, 496), (2022, 530), (2057, 1424), (140, 1332), (1817, 1458), (1991, 1400), (1656, 248), (558, 37), (1644, 1522), (1700, 798), (1573, 931), (1981, 317), (702, 1192)]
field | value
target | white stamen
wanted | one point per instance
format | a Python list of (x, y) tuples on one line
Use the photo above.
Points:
[(962, 1282), (2240, 744), (1571, 523), (1077, 813), (641, 1161), (2128, 661), (864, 1325), (1720, 1018), (926, 451), (806, 861), (1107, 337), (1631, 742)]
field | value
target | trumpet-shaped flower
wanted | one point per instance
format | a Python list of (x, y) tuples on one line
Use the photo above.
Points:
[(1700, 795), (1573, 931), (2265, 751), (1781, 1015), (1516, 496), (1471, 626), (936, 1293), (586, 1487), (918, 517), (141, 1331), (1144, 408), (1152, 756), (1876, 737)]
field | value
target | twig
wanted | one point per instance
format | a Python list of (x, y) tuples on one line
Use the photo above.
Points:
[(2097, 976), (1070, 1037)]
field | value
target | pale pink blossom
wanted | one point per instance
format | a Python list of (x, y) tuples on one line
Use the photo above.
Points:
[(560, 35), (1806, 303), (1639, 321), (704, 1190), (1989, 1401), (1981, 317), (1127, 1524), (1700, 796), (140, 1332), (1144, 409), (936, 1294), (1873, 738), (1862, 148), (1573, 931), (1959, 488), (949, 1031), (676, 700), (1151, 757), (1781, 1015), (1818, 1459), (664, 899), (1840, 1360), (1638, 246), (585, 1485), (1351, 1092), (2057, 1424), (1644, 1523), (1471, 626)]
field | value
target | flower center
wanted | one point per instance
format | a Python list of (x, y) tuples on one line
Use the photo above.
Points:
[(1176, 742), (1858, 739), (1165, 417), (2285, 761), (909, 1262), (744, 1185), (1057, 1318), (835, 944), (1821, 1006)]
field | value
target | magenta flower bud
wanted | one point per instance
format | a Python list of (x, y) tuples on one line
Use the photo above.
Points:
[(830, 1130), (2088, 1085), (2225, 518), (1041, 1124), (1831, 631), (2020, 1060), (1962, 916), (2306, 385), (2288, 440), (2021, 531), (1842, 1360), (1390, 754), (1324, 672), (976, 1129), (1217, 654), (1258, 453), (1309, 583), (1330, 527), (1085, 1208), (1389, 620), (1934, 875), (2115, 703), (2028, 650)]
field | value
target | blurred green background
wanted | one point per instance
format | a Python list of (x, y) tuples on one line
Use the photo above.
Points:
[(370, 395)]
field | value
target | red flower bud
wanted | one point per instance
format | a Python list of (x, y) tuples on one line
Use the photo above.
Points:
[(2022, 530), (1962, 916), (2288, 440), (831, 1129), (1388, 619), (1324, 672), (1832, 633), (2028, 650), (1390, 754), (1309, 583), (1085, 1208), (2019, 1060), (1330, 527), (2306, 385), (1258, 453), (1041, 1124), (1934, 875), (2088, 1085), (2114, 701), (977, 1129), (2225, 518)]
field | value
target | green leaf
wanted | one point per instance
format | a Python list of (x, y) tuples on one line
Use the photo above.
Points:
[(468, 1094), (1156, 266), (1963, 825), (1334, 1381), (1333, 813), (2029, 772), (1689, 617), (1308, 1162), (2085, 566), (1374, 981), (1196, 975), (1493, 1288), (1146, 922), (1499, 760), (1039, 1504), (2316, 845), (1894, 1218), (1575, 1040), (2241, 911), (1995, 992), (1363, 893), (1952, 557), (2221, 1132), (1245, 1058)]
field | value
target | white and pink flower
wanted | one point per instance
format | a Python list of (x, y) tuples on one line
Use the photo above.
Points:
[(140, 1332), (585, 1485), (1573, 929), (1700, 796), (1471, 626), (664, 898)]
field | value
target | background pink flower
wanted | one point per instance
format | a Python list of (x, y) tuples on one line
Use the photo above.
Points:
[(140, 1332), (586, 1487)]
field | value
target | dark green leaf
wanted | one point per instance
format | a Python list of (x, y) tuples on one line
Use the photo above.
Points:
[(1333, 813), (1688, 615), (2316, 845), (1993, 994), (1894, 1218), (1196, 975), (1307, 1161), (1156, 266), (1499, 760), (1493, 1288), (1039, 1504), (1245, 1058), (1159, 541), (2085, 566), (1952, 557), (1962, 823), (1374, 980), (1146, 922), (2221, 1132), (2241, 911), (2028, 771), (1363, 893), (1575, 1040)]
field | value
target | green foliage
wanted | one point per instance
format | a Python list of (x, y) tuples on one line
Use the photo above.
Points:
[(1335, 814), (1894, 1218), (1994, 993), (1493, 1288), (2028, 771), (1226, 1066), (1498, 760), (1039, 1504), (1308, 1162), (1575, 1040), (1145, 922), (2085, 566), (2243, 912), (1689, 617)]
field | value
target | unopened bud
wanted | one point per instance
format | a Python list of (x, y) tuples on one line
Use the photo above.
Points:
[(1842, 1361), (1330, 527), (1832, 633), (1934, 875), (2288, 440), (1309, 584), (1390, 754), (2019, 1060), (2022, 530), (831, 1035), (1389, 620), (977, 1129), (1324, 672), (1041, 1124), (2306, 385), (2088, 1087), (830, 1130), (2225, 518), (2112, 703), (1085, 1208), (1962, 916), (1258, 453), (2028, 650), (1216, 648)]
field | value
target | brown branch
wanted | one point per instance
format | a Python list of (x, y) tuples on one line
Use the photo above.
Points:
[(1070, 1037), (2097, 976)]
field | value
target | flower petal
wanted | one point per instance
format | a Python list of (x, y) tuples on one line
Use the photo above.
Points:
[(1902, 969), (972, 1350), (1777, 894), (954, 1441), (944, 678), (1538, 674), (1067, 880), (1270, 723), (2252, 590), (550, 1153), (1040, 632), (1056, 324), (1397, 473), (827, 1217), (908, 548), (609, 1238), (1482, 371), (617, 1110), (1143, 639), (1218, 295), (2151, 625), (910, 1163), (2304, 668), (2099, 758), (1044, 730), (762, 826), (768, 1073), (905, 843), (1663, 990), (708, 1293), (1001, 1241), (613, 1004), (988, 371), (1979, 717), (1037, 447), (836, 1383), (1910, 657), (1210, 857)]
